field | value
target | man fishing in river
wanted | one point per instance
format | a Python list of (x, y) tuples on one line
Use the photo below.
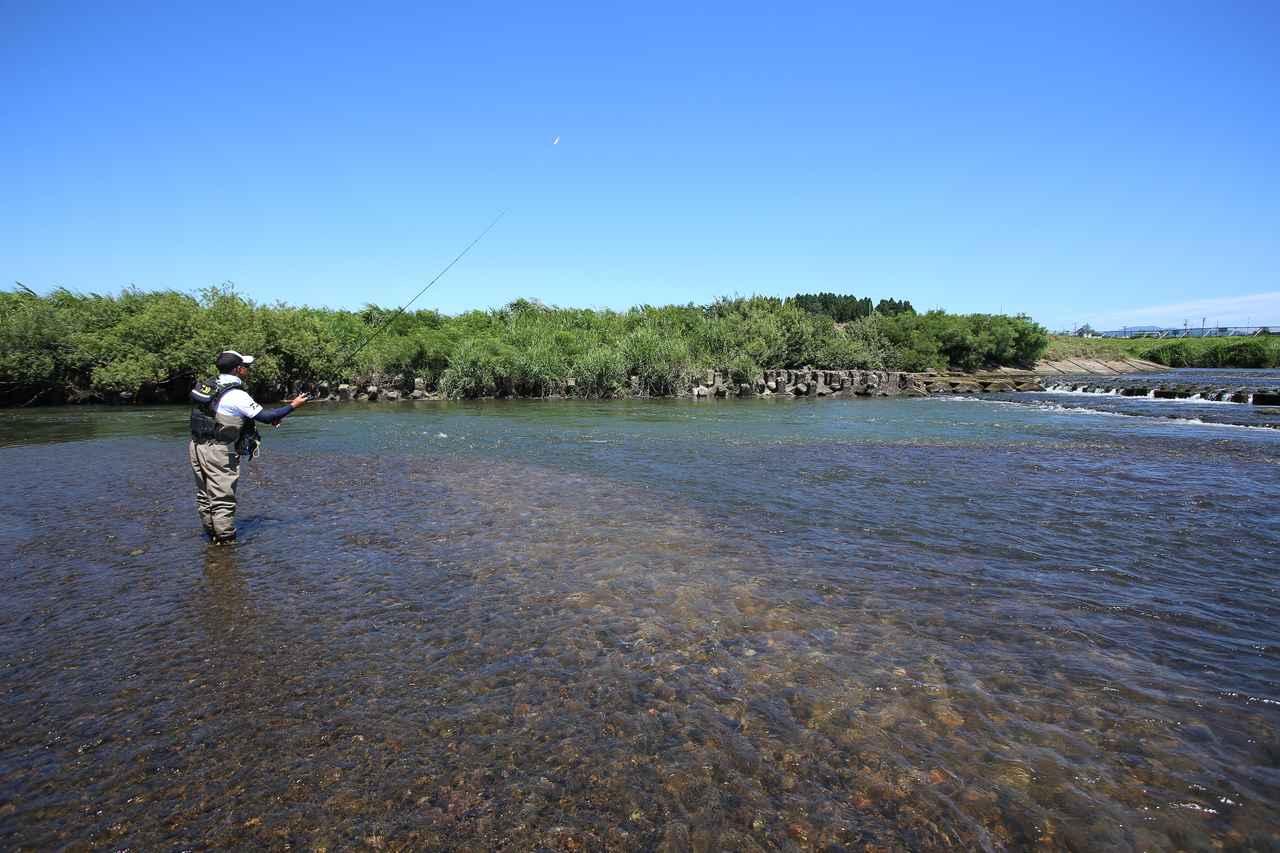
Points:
[(223, 428)]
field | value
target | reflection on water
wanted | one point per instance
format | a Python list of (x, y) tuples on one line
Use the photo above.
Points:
[(898, 624)]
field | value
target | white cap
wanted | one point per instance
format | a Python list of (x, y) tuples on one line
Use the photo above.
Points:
[(243, 359)]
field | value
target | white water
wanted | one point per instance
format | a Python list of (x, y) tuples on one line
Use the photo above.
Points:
[(1150, 395), (1059, 409), (1065, 389)]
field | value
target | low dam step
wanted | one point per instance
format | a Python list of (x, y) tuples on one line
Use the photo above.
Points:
[(1202, 393)]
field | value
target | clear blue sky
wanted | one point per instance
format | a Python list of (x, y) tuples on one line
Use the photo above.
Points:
[(1108, 162)]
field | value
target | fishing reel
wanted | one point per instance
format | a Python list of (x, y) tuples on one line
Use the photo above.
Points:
[(249, 445)]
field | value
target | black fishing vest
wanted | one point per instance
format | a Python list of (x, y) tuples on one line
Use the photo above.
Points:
[(204, 412)]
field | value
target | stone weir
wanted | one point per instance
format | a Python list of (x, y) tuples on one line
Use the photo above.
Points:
[(709, 384), (1136, 387)]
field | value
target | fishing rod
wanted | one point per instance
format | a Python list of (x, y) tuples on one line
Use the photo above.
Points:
[(349, 357)]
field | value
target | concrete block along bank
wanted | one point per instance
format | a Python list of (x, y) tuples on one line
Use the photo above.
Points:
[(711, 384)]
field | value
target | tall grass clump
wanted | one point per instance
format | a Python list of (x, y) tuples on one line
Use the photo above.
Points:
[(660, 362), (473, 370), (539, 371), (1210, 352), (600, 372)]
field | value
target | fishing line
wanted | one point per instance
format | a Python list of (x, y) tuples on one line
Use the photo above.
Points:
[(312, 386), (385, 323)]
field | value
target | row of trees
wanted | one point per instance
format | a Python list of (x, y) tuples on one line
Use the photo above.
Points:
[(152, 345), (843, 308)]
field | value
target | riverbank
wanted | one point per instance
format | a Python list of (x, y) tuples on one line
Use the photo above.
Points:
[(836, 384), (800, 382), (803, 382), (1126, 378), (1099, 366), (1259, 351), (151, 347)]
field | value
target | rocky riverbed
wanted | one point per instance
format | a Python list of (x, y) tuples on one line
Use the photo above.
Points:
[(960, 622)]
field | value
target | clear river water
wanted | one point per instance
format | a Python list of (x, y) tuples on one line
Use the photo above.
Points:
[(977, 624)]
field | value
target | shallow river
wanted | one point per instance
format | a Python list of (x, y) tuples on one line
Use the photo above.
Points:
[(902, 624)]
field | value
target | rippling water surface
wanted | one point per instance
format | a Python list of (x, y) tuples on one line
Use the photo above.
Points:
[(1104, 394), (917, 624)]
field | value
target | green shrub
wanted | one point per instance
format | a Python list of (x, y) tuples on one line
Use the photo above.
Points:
[(1174, 354), (1262, 351), (34, 341), (539, 371), (82, 345), (600, 372), (472, 371), (741, 368), (964, 341), (660, 361), (860, 345), (1252, 353)]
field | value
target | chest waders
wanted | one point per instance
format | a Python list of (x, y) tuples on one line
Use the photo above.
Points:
[(207, 425)]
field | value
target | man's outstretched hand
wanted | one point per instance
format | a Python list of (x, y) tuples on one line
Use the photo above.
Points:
[(297, 401)]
